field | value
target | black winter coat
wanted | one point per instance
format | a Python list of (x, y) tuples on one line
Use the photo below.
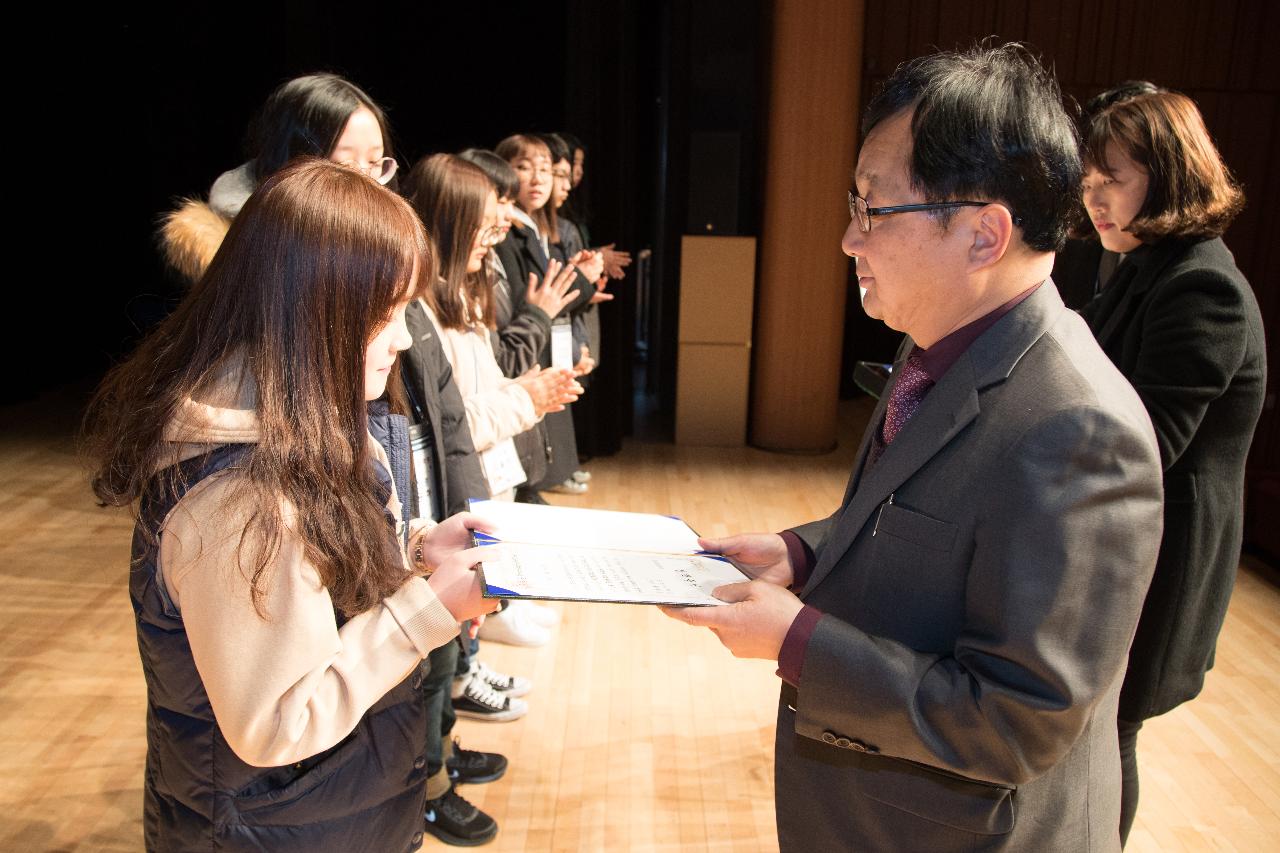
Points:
[(458, 475), (1183, 326)]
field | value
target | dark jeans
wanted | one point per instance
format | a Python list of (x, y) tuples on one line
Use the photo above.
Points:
[(468, 647), (1128, 776), (436, 694)]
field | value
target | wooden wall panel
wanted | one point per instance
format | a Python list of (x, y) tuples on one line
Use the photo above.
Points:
[(816, 62), (1222, 54)]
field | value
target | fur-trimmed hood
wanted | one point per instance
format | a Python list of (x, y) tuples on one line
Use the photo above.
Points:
[(190, 236)]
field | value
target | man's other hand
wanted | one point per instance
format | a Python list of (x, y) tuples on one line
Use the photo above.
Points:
[(753, 625), (762, 556)]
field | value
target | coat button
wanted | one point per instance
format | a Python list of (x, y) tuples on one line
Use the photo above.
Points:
[(858, 746), (843, 742), (419, 763), (828, 737), (416, 683), (416, 842)]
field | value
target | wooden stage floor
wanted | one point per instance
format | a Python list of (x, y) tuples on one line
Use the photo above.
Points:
[(643, 734)]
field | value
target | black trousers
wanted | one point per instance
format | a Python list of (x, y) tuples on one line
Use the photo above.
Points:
[(1128, 775)]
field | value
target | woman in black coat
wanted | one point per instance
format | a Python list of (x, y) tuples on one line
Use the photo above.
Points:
[(1182, 324), (527, 249)]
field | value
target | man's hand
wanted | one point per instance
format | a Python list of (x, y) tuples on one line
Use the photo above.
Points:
[(762, 556), (754, 625)]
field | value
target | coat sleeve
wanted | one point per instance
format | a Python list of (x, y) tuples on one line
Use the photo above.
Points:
[(1060, 559), (310, 681), (814, 534), (519, 344), (498, 414), (1194, 337), (583, 289), (464, 479), (496, 408)]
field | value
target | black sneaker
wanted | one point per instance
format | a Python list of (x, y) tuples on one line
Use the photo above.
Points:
[(455, 821), (476, 700), (468, 766), (508, 685), (527, 495)]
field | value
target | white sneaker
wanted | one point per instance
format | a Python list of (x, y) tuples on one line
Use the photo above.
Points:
[(568, 487), (541, 614), (514, 627), (582, 477), (508, 685)]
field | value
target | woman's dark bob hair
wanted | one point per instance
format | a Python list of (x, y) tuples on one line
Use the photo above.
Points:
[(305, 116), (1191, 193), (504, 178)]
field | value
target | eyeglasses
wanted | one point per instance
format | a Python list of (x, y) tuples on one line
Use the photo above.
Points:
[(527, 168), (491, 236), (381, 170), (859, 210)]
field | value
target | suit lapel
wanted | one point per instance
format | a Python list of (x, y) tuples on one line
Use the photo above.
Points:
[(877, 418), (945, 412)]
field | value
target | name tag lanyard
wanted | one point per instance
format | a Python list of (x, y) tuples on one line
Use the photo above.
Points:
[(421, 450)]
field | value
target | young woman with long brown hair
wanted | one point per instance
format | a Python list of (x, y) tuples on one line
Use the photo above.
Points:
[(458, 205), (280, 586), (1182, 324)]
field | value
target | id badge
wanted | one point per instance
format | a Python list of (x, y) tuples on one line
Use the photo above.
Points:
[(423, 463), (502, 469), (562, 346)]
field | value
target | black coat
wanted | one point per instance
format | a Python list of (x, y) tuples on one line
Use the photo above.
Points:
[(1183, 326), (429, 378), (1075, 272), (517, 346), (521, 254)]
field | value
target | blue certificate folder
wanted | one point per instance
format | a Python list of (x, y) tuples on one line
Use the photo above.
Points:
[(568, 554)]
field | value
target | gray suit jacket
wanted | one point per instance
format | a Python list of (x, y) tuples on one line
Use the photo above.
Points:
[(980, 584)]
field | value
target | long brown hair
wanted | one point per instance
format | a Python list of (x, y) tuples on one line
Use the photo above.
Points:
[(1191, 192), (449, 194), (311, 268)]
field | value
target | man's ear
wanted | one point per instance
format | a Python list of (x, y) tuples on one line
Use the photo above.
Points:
[(992, 229)]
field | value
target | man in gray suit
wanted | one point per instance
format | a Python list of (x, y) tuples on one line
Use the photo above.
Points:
[(951, 639)]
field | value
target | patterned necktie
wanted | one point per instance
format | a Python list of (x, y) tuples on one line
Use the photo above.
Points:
[(913, 383)]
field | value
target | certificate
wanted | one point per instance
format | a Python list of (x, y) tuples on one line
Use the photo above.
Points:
[(568, 554)]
